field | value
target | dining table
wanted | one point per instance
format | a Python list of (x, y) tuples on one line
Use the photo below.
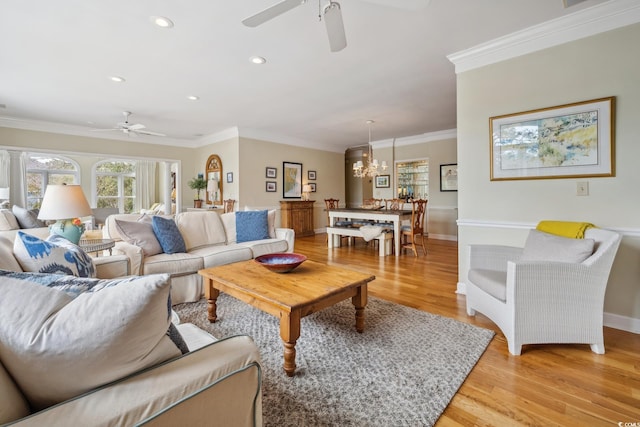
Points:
[(378, 215)]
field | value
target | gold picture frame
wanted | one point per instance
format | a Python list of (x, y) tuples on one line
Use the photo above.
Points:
[(567, 141)]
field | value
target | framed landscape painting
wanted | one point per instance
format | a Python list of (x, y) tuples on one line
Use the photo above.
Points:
[(291, 180), (567, 141)]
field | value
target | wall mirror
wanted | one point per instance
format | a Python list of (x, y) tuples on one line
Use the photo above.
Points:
[(214, 180)]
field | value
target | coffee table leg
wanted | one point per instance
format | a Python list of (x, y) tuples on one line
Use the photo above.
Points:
[(290, 332), (359, 301), (211, 294)]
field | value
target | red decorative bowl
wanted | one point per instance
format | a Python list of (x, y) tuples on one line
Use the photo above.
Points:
[(281, 262)]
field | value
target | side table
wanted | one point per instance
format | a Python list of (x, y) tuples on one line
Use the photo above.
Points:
[(96, 245)]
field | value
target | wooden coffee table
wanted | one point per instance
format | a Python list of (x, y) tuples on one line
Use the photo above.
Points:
[(289, 296)]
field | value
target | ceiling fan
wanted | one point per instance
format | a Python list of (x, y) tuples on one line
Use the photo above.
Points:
[(331, 13), (127, 128)]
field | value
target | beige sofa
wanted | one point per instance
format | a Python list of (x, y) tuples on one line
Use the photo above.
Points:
[(210, 240), (221, 379)]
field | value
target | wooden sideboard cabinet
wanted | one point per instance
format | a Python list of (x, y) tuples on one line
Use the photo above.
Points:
[(298, 214)]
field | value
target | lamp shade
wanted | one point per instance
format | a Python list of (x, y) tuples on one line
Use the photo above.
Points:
[(4, 193), (306, 188), (212, 186), (63, 202)]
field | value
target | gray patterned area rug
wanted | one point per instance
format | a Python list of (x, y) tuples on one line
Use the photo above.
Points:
[(402, 371)]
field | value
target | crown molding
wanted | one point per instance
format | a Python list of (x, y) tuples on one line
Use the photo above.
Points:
[(584, 23), (287, 140), (416, 139), (66, 129), (224, 135)]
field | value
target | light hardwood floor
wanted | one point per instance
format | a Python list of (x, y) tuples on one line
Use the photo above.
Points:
[(565, 385)]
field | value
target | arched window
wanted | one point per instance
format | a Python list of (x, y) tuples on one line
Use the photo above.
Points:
[(116, 184), (45, 169)]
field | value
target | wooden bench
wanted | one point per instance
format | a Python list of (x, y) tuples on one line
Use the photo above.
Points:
[(334, 233)]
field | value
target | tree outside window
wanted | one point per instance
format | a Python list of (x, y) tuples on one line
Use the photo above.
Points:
[(116, 185), (45, 169)]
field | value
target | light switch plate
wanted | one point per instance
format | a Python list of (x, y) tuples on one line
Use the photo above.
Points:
[(582, 188)]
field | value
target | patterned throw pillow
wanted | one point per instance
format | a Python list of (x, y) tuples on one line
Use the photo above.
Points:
[(168, 235), (251, 225), (71, 345), (55, 255)]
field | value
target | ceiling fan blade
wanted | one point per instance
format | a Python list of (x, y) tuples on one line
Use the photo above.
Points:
[(335, 27), (147, 132), (271, 12), (137, 126)]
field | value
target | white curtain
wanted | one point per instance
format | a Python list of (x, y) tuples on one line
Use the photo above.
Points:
[(5, 164), (18, 178), (145, 184)]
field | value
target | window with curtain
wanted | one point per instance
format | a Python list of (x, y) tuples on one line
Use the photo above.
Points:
[(116, 184), (45, 169)]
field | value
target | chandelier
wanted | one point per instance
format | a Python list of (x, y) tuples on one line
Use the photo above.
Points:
[(371, 169)]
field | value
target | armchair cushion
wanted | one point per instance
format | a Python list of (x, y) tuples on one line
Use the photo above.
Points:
[(492, 282), (72, 345), (542, 246), (54, 255)]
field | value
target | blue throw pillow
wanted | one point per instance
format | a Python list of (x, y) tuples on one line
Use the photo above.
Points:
[(56, 255), (251, 225), (168, 235)]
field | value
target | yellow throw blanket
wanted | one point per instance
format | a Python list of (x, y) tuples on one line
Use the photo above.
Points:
[(565, 228)]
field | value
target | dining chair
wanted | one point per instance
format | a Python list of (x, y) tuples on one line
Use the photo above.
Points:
[(335, 204), (228, 205), (416, 228)]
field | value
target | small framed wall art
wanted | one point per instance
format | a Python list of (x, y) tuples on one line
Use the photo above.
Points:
[(311, 175), (271, 187), (382, 181), (229, 176), (271, 172), (313, 187), (449, 177)]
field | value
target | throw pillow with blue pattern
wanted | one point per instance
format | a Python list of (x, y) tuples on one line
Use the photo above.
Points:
[(54, 255), (251, 225), (168, 235)]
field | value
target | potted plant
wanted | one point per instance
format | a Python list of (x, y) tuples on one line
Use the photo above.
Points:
[(198, 183)]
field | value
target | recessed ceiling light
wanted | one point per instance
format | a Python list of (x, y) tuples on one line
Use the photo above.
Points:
[(117, 79), (193, 98), (257, 60), (161, 21)]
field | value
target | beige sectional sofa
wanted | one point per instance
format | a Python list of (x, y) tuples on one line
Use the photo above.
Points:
[(210, 240)]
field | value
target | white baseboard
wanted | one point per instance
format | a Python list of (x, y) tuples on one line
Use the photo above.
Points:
[(450, 237), (615, 321)]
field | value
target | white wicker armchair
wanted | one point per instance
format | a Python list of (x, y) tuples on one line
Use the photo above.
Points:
[(542, 302)]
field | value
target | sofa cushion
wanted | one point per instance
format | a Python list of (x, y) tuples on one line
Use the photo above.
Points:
[(225, 254), (201, 229), (72, 345), (541, 246), (266, 246), (493, 282), (141, 234), (55, 255), (251, 225), (173, 264), (27, 218), (168, 235), (8, 220)]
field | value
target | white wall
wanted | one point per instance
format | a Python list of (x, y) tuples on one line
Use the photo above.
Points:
[(501, 211)]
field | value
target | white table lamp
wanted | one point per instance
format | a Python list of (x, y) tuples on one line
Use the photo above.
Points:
[(65, 204)]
